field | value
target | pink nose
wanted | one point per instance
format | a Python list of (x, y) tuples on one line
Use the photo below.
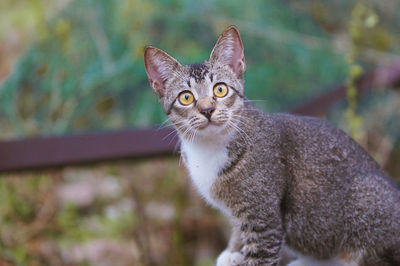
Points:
[(207, 112)]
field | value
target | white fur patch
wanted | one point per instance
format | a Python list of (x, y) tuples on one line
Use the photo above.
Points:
[(308, 261), (305, 261), (204, 161), (227, 258)]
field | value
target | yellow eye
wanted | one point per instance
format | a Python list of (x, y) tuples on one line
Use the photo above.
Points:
[(220, 90), (186, 98)]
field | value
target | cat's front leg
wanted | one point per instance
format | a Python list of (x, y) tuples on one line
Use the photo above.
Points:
[(232, 255), (262, 238)]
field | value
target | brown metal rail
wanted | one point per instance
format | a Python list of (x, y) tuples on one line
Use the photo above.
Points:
[(55, 151), (44, 152), (386, 76)]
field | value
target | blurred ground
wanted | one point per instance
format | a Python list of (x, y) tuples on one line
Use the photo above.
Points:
[(127, 213)]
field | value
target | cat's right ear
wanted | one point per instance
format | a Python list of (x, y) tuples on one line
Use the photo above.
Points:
[(159, 67), (229, 51)]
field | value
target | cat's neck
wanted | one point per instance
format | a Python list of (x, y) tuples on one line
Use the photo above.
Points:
[(207, 158), (210, 139), (229, 146), (204, 160)]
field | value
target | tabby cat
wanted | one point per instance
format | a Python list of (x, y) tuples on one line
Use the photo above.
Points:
[(283, 181)]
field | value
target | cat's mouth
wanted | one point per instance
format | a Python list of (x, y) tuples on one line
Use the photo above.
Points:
[(211, 124)]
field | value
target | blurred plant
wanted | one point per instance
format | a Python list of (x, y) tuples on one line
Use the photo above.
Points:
[(26, 209), (85, 69), (362, 20)]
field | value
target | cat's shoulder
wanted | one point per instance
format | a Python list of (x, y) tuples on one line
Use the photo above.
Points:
[(300, 120), (288, 121), (293, 122)]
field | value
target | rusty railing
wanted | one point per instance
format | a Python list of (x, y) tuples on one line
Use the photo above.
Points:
[(45, 152)]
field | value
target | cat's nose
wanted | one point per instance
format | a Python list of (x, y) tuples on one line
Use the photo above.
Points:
[(207, 112), (206, 106)]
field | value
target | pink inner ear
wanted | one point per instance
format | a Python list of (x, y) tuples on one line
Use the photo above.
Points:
[(229, 50), (160, 88), (237, 59), (152, 64), (155, 79)]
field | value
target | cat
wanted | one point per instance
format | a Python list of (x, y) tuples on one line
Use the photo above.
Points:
[(283, 181)]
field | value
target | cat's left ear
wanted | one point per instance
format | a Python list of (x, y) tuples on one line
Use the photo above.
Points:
[(229, 51), (159, 67)]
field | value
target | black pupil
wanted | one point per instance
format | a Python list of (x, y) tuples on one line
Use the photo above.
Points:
[(186, 96), (220, 89)]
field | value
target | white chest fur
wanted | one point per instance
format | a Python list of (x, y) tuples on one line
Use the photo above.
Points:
[(204, 161)]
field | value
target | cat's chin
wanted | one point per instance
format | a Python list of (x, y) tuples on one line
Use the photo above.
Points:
[(209, 132), (212, 127), (212, 132)]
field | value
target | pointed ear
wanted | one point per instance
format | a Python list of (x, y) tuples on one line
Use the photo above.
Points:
[(159, 67), (229, 50)]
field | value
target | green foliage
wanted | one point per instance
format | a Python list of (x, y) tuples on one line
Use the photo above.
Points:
[(85, 70), (16, 201), (69, 220), (20, 203), (363, 19)]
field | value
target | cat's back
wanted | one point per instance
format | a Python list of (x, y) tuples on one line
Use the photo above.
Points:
[(332, 182), (321, 157), (309, 147), (317, 145), (312, 148)]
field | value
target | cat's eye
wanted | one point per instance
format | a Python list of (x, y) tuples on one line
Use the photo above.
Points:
[(220, 90), (186, 98)]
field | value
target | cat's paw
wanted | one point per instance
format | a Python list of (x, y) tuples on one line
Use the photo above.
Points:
[(228, 258), (297, 262)]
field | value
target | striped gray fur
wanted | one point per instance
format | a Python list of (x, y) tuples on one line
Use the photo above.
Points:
[(198, 71), (285, 181)]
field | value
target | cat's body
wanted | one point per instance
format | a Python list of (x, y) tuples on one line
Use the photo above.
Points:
[(309, 179), (280, 179)]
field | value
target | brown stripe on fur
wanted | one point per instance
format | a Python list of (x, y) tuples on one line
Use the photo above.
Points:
[(230, 101), (233, 163), (237, 92), (198, 71)]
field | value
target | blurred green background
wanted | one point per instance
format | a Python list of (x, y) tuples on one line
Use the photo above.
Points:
[(70, 66), (80, 66)]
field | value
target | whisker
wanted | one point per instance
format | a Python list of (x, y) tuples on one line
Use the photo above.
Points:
[(247, 100), (177, 144), (240, 120), (181, 125), (163, 124), (191, 135), (173, 137), (170, 133), (195, 133), (170, 124), (240, 131), (187, 131), (173, 131), (234, 130)]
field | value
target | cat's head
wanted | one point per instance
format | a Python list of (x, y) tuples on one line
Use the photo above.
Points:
[(202, 100)]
